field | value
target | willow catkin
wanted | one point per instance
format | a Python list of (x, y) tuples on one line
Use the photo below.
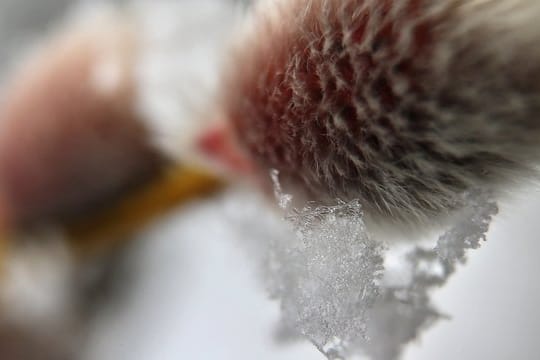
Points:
[(401, 103), (70, 138)]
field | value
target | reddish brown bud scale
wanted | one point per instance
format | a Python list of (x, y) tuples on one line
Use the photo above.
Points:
[(216, 144), (401, 103)]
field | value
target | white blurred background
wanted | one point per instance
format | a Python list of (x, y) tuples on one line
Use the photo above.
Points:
[(196, 295)]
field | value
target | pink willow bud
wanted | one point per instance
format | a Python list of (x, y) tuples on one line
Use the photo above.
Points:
[(70, 138)]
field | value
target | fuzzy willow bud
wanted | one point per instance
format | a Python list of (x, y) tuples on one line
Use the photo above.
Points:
[(402, 104)]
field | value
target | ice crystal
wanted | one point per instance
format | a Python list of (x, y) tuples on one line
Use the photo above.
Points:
[(403, 311), (328, 276)]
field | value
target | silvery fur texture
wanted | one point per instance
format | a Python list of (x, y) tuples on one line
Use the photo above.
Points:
[(403, 104)]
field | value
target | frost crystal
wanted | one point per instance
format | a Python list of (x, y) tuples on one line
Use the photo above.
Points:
[(403, 311), (328, 276)]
